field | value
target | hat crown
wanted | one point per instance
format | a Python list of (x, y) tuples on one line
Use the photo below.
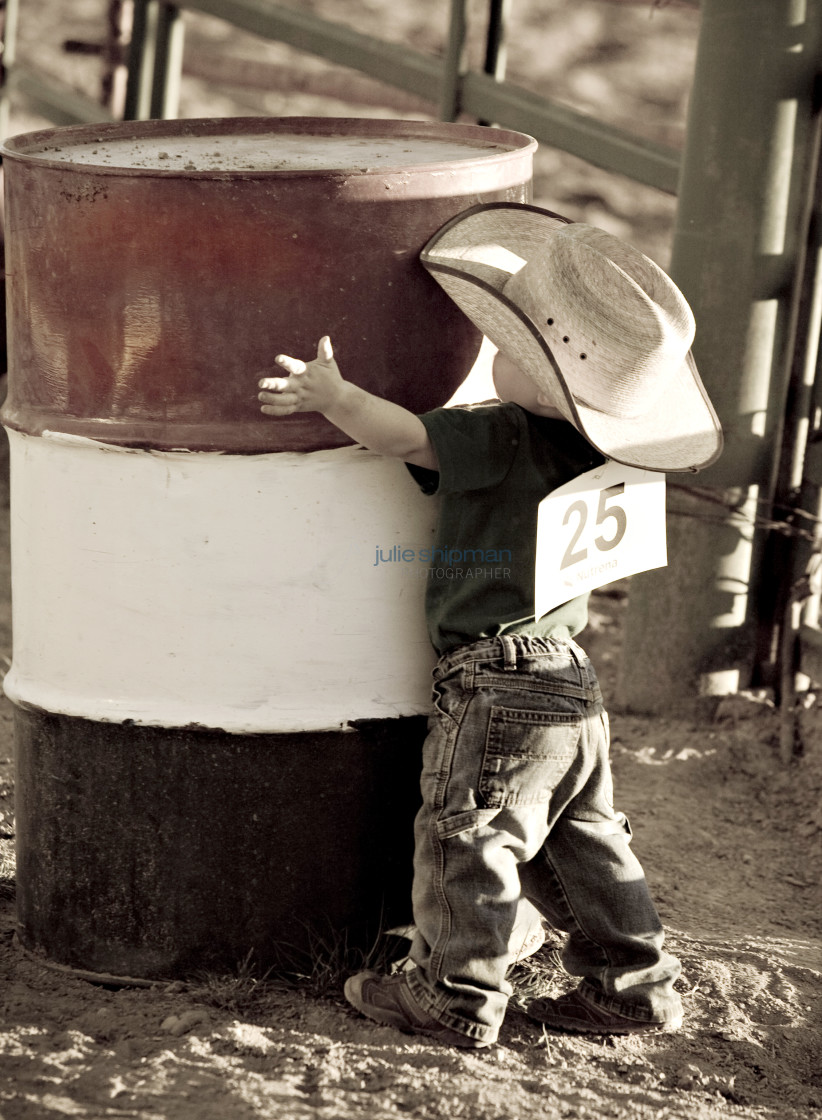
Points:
[(615, 322), (636, 394)]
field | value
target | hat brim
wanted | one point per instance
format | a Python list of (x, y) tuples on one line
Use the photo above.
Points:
[(474, 255)]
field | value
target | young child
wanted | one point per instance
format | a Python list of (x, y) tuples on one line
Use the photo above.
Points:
[(593, 363)]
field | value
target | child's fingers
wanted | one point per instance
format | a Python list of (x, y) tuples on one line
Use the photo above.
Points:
[(273, 384), (279, 404), (278, 396), (278, 409), (293, 365)]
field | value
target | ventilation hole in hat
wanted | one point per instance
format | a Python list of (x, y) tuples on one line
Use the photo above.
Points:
[(566, 338), (583, 356), (550, 322)]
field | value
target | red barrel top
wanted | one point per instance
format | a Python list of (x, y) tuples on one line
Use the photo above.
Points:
[(156, 268)]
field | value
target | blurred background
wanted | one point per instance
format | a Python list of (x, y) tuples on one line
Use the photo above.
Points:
[(628, 63)]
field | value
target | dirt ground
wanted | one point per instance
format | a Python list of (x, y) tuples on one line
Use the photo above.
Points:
[(731, 839)]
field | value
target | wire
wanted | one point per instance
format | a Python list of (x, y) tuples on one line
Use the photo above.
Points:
[(759, 520)]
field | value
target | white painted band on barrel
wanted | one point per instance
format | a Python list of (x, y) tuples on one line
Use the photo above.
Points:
[(228, 591)]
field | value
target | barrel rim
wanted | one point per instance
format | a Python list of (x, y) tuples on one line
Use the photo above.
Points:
[(29, 147)]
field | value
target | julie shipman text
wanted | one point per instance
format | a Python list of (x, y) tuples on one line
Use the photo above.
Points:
[(398, 555)]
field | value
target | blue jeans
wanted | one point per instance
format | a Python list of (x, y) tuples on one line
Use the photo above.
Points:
[(518, 802)]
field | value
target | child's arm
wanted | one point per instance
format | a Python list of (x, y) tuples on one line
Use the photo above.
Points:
[(318, 386)]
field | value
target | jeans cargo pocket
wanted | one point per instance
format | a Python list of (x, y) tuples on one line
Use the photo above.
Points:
[(527, 754), (468, 821)]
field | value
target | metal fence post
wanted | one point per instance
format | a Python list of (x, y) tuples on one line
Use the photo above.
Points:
[(496, 57), (168, 64), (141, 61), (453, 62), (9, 28), (499, 12), (739, 243)]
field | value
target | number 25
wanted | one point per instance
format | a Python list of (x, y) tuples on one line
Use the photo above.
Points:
[(604, 512)]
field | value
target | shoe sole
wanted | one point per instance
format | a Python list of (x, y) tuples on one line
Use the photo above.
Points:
[(572, 1027)]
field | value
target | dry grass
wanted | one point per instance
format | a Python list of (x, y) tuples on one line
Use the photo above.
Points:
[(542, 974), (7, 870), (239, 993), (317, 972)]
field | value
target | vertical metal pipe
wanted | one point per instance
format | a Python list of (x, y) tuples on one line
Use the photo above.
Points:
[(141, 61), (495, 53), (452, 63), (112, 84), (806, 360), (797, 490), (12, 8), (740, 233), (168, 65)]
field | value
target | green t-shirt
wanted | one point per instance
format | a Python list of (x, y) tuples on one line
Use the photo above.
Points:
[(497, 462)]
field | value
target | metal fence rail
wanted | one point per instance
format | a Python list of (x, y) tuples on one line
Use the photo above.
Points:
[(156, 56), (53, 99)]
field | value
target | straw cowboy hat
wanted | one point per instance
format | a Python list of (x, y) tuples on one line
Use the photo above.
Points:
[(594, 323)]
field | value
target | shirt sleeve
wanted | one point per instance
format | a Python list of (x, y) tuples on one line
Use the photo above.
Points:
[(475, 445)]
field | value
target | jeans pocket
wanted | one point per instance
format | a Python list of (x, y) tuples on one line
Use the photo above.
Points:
[(469, 821), (448, 697), (527, 754)]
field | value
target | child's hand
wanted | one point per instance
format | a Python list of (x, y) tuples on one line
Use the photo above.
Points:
[(311, 387), (318, 386)]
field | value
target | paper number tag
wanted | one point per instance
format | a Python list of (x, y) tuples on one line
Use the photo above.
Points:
[(602, 526)]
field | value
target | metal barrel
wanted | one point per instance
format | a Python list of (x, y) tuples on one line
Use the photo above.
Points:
[(221, 671)]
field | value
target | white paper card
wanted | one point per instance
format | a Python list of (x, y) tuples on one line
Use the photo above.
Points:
[(602, 526)]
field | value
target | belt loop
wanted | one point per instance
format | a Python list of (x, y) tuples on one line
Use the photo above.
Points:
[(509, 651), (584, 674)]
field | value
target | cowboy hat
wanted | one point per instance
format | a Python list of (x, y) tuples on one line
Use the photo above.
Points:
[(594, 323)]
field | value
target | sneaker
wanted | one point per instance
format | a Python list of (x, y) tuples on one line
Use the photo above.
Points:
[(573, 1012), (388, 1000)]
